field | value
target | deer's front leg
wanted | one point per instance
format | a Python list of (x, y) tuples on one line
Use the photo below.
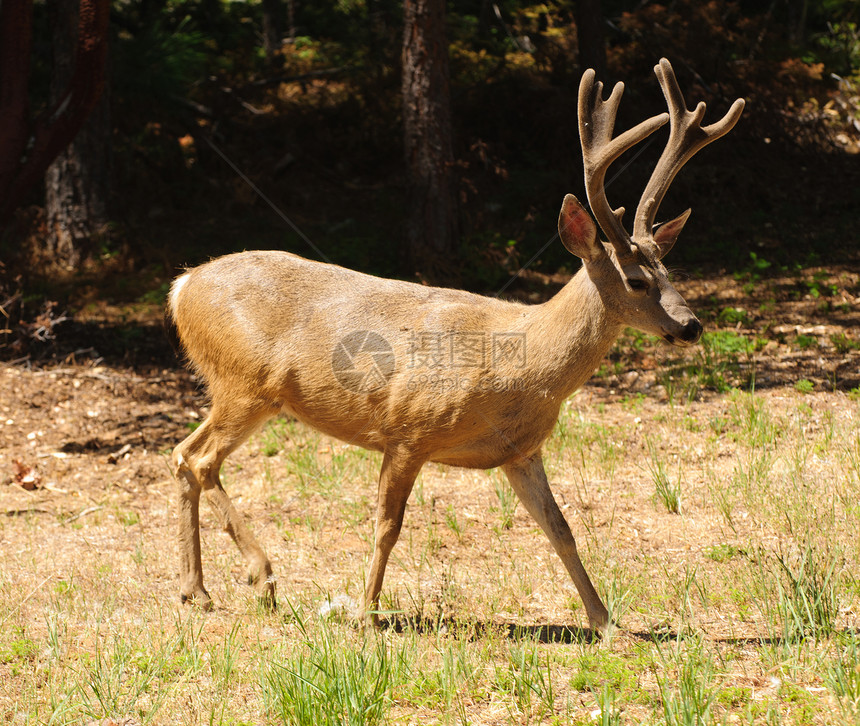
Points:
[(396, 478), (528, 479)]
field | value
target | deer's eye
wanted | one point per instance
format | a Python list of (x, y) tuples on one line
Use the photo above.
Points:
[(637, 285)]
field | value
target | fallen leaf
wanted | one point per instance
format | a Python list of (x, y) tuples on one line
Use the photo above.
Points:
[(25, 476)]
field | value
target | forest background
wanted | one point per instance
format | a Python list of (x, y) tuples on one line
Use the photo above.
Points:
[(280, 124)]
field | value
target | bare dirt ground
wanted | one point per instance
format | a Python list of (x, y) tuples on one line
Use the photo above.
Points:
[(85, 479), (81, 437)]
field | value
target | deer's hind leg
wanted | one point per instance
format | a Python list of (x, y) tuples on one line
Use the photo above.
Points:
[(198, 462)]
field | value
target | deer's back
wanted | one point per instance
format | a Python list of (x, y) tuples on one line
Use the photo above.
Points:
[(270, 326)]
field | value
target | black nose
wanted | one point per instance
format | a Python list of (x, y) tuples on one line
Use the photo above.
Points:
[(692, 331)]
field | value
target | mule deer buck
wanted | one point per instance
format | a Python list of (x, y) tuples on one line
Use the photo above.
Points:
[(429, 374)]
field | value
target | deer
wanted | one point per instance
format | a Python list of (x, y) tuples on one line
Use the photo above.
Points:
[(430, 374)]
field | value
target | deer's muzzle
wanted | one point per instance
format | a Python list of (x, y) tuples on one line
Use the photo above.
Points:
[(689, 334)]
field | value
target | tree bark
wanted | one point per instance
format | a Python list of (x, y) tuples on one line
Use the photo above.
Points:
[(432, 221), (16, 43), (28, 146), (589, 33), (77, 183), (272, 25)]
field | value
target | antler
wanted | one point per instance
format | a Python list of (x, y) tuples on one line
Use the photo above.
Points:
[(686, 137), (599, 150)]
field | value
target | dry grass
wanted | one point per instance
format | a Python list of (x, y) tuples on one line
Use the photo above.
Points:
[(742, 607)]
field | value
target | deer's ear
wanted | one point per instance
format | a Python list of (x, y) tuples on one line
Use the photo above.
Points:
[(667, 233), (577, 230)]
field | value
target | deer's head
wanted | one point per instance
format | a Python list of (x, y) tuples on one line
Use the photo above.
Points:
[(627, 270)]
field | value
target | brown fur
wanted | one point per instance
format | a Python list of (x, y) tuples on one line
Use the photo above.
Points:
[(264, 330)]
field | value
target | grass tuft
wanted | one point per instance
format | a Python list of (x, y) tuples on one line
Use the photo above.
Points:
[(667, 491), (324, 683)]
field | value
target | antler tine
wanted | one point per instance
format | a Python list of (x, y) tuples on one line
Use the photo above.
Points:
[(686, 137), (599, 150)]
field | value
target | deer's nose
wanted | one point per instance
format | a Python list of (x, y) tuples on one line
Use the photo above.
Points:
[(692, 331)]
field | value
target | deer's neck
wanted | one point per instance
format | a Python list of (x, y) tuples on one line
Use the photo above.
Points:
[(570, 335)]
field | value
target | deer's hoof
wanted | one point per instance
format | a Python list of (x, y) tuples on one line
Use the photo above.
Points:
[(198, 598), (266, 596), (263, 582), (371, 621), (604, 629)]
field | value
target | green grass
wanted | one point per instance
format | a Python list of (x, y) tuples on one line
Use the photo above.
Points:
[(689, 691), (843, 675), (809, 597), (724, 360), (323, 682), (736, 588), (668, 491), (804, 386), (843, 343), (507, 500)]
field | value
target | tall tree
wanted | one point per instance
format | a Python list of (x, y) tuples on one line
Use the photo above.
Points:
[(27, 146), (77, 182), (432, 228), (272, 29)]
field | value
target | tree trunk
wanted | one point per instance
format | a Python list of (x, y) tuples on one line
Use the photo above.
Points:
[(291, 20), (589, 33), (272, 25), (27, 146), (16, 44), (77, 182), (432, 223)]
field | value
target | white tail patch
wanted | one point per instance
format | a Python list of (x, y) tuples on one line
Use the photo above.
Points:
[(177, 285)]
